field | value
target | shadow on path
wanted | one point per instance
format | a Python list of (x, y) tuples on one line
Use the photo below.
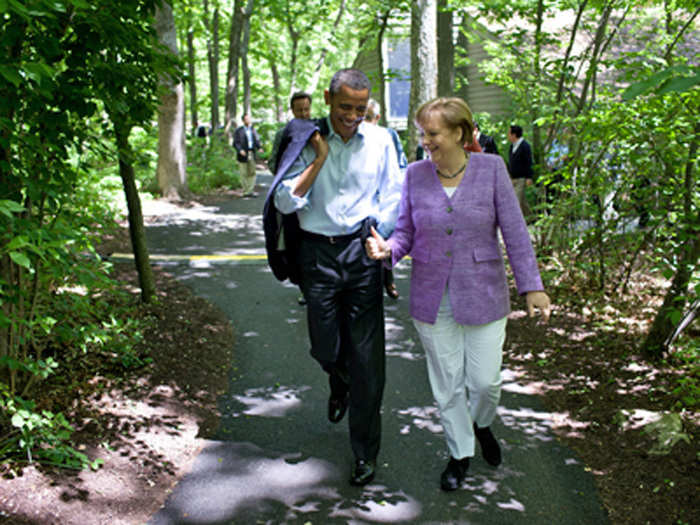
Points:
[(276, 458)]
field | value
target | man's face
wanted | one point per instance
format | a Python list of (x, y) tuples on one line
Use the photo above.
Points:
[(246, 120), (512, 137), (301, 108), (347, 110)]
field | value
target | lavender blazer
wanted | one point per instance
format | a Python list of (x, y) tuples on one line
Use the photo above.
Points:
[(454, 240)]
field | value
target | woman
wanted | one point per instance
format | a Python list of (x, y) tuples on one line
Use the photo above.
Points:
[(451, 208)]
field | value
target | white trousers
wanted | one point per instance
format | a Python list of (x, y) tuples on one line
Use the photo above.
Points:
[(464, 369)]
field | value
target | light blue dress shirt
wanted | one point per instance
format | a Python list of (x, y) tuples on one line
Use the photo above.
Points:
[(360, 178)]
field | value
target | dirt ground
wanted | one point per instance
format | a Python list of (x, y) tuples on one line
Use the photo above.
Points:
[(148, 428)]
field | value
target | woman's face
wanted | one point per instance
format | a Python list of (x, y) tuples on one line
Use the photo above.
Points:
[(440, 141)]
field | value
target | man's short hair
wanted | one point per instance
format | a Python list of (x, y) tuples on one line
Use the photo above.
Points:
[(353, 78), (297, 96), (373, 109), (516, 130)]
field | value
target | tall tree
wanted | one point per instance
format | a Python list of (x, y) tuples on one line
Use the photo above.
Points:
[(192, 79), (424, 69), (315, 77), (212, 26), (245, 42), (172, 157), (446, 49), (234, 50)]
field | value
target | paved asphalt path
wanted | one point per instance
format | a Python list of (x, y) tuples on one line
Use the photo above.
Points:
[(277, 459)]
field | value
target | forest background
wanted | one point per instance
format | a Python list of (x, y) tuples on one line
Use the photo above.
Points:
[(99, 103)]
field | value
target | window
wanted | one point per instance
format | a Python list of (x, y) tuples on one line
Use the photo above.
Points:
[(398, 74)]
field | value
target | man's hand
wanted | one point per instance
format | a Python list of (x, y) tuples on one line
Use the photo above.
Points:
[(538, 300), (376, 247), (308, 176), (320, 146)]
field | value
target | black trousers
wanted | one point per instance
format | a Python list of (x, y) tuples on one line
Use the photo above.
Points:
[(343, 290)]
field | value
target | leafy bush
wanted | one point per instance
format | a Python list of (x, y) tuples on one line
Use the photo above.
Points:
[(40, 436), (211, 165)]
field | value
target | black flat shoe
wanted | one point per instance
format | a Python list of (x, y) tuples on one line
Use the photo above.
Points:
[(336, 408), (391, 291), (489, 446), (363, 472), (454, 474)]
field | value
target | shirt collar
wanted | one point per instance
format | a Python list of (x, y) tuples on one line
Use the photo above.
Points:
[(359, 133)]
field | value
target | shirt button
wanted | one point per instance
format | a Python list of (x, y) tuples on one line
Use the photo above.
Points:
[(449, 231)]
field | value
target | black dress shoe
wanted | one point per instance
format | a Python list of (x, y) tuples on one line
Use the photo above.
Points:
[(336, 408), (454, 474), (363, 472), (489, 446)]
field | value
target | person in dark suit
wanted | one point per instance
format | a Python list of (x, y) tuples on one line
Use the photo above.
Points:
[(247, 142), (520, 166), (300, 104), (337, 187), (488, 145)]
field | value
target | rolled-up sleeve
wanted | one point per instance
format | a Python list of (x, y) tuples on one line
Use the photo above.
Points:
[(389, 193), (285, 200)]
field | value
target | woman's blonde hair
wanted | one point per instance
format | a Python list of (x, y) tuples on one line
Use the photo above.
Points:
[(454, 111)]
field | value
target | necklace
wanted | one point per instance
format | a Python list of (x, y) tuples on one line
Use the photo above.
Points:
[(452, 175)]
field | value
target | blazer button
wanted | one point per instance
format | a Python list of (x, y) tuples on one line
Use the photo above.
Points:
[(448, 253), (449, 231), (449, 209)]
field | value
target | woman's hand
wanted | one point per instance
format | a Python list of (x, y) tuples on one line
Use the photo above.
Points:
[(376, 247), (538, 300)]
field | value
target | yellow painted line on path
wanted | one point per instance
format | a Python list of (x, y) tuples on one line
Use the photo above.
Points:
[(166, 257)]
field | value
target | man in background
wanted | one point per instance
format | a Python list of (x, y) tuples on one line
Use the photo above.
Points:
[(520, 166), (300, 104), (488, 145), (247, 142)]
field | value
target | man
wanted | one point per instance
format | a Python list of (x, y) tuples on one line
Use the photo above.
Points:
[(372, 117), (337, 187), (300, 104), (247, 142), (520, 166), (488, 145)]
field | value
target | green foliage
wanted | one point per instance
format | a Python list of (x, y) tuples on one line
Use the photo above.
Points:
[(65, 66), (211, 165), (40, 436)]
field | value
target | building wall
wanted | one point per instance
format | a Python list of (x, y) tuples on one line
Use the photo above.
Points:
[(480, 95)]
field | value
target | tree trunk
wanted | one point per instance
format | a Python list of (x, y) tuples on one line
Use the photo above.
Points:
[(462, 51), (663, 327), (234, 47), (213, 61), (537, 153), (136, 228), (423, 63), (172, 158), (294, 37), (244, 57), (446, 50), (192, 81), (280, 108), (383, 23), (315, 77)]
